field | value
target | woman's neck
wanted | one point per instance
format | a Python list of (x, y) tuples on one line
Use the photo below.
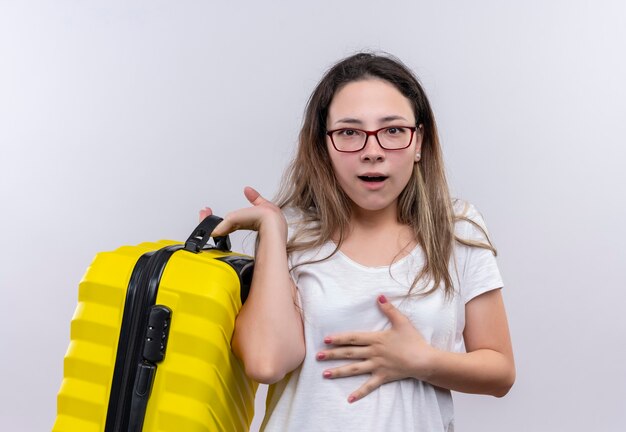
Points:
[(369, 220), (376, 238)]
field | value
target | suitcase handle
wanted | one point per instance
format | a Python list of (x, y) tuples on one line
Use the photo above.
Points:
[(201, 235)]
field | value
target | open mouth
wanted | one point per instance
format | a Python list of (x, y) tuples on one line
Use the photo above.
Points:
[(373, 179)]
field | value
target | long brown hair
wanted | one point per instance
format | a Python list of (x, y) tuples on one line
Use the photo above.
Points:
[(310, 184)]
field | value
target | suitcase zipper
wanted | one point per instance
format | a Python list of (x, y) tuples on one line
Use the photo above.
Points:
[(127, 403)]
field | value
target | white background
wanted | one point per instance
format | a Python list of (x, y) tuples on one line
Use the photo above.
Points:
[(120, 119)]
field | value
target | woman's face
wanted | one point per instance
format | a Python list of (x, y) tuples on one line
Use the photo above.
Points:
[(373, 177)]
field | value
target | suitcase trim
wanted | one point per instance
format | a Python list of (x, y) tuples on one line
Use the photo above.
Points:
[(244, 268)]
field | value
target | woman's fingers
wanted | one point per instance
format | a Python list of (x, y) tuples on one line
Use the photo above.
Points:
[(261, 213), (205, 212), (223, 228), (351, 338), (345, 352), (352, 369), (248, 218), (253, 196), (370, 385)]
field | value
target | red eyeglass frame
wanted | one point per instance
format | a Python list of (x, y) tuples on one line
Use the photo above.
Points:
[(370, 133)]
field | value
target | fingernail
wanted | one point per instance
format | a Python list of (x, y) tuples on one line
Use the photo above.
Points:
[(327, 374), (351, 399), (382, 299), (321, 356), (328, 340)]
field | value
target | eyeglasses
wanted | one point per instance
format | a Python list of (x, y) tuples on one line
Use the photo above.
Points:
[(349, 140)]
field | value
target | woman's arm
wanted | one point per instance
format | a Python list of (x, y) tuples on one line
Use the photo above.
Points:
[(488, 366), (268, 335)]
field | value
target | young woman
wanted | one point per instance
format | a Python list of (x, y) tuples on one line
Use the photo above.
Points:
[(374, 293)]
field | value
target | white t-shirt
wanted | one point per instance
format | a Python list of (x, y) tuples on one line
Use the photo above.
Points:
[(340, 295)]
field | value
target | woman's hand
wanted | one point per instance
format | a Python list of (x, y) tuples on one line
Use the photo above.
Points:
[(263, 215), (389, 355)]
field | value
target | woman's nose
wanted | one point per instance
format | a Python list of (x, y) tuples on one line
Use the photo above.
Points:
[(372, 150)]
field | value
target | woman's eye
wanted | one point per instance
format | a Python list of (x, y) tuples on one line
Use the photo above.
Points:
[(395, 130), (349, 132)]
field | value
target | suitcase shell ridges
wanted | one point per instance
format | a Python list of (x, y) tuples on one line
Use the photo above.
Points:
[(200, 385), (196, 344)]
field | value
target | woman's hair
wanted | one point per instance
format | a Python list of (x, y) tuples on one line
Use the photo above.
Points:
[(310, 185)]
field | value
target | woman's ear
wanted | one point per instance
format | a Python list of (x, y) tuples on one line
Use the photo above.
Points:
[(419, 135)]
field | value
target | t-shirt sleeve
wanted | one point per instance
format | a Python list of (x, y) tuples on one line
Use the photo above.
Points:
[(480, 269)]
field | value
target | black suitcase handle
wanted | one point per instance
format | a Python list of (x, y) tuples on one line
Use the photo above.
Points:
[(201, 235)]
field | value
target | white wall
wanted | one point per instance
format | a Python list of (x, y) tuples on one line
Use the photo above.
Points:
[(120, 119)]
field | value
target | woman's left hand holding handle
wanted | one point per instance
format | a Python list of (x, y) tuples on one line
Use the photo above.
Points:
[(263, 214)]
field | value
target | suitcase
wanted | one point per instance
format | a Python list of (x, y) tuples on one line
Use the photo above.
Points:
[(150, 340)]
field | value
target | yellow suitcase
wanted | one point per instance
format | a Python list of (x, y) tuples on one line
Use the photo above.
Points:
[(150, 340)]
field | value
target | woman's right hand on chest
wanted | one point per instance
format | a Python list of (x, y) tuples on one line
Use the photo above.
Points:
[(262, 216)]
